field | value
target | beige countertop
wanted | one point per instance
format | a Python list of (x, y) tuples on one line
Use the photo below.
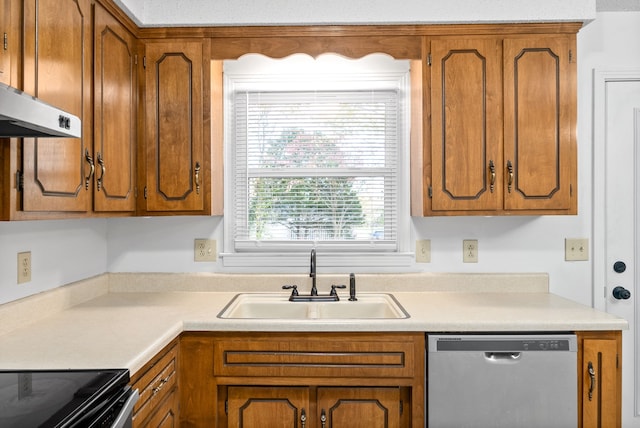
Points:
[(125, 329)]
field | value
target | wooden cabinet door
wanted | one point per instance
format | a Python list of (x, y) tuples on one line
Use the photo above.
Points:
[(5, 54), (115, 88), (165, 415), (175, 167), (266, 407), (57, 69), (359, 407), (600, 375), (539, 98), (466, 136)]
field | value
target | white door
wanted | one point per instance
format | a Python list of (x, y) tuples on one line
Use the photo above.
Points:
[(616, 239)]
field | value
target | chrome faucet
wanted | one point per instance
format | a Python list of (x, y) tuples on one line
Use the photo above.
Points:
[(312, 273)]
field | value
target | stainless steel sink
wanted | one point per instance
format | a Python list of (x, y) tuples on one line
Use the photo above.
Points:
[(277, 306)]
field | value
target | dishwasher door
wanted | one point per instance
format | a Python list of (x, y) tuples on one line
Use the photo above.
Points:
[(502, 381)]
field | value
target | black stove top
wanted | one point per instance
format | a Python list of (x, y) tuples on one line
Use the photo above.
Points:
[(56, 398)]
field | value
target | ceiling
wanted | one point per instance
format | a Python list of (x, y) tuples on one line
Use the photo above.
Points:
[(150, 13)]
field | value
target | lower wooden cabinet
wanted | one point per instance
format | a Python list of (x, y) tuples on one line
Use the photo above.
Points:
[(165, 415), (318, 380), (328, 380), (157, 383), (338, 407), (600, 379)]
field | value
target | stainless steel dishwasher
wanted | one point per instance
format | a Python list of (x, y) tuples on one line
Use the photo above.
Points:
[(509, 381)]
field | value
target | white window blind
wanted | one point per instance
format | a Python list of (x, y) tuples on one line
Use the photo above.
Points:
[(316, 166)]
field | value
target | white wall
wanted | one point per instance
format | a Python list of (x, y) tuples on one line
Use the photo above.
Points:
[(65, 251), (62, 251)]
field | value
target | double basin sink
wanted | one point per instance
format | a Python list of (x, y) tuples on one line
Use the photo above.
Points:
[(278, 306)]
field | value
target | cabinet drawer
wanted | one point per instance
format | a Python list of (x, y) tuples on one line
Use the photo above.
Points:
[(154, 385), (336, 356)]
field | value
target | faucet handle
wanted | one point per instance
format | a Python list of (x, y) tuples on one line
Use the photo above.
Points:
[(293, 288), (333, 289)]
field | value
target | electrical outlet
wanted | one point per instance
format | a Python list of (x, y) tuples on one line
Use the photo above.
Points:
[(423, 251), (24, 267), (470, 251), (576, 249), (205, 250)]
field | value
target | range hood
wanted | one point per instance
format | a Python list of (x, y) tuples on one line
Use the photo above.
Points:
[(22, 115)]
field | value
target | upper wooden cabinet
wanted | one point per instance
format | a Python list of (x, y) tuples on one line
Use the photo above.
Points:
[(502, 130), (176, 152), (57, 69), (115, 114), (5, 33)]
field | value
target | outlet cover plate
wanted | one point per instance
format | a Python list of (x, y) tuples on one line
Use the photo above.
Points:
[(576, 249), (205, 250), (24, 267), (470, 251)]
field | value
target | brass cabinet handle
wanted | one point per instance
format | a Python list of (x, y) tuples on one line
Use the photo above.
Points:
[(492, 174), (197, 177), (592, 376), (323, 418), (303, 418), (510, 180), (160, 385), (102, 171), (92, 169)]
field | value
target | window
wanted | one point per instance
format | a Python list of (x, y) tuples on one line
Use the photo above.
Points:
[(315, 149)]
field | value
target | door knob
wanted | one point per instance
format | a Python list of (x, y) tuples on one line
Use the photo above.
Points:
[(621, 293)]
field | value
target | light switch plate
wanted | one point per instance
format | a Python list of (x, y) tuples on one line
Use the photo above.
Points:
[(576, 249), (205, 250), (423, 251)]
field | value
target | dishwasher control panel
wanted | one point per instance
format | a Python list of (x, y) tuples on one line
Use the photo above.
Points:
[(502, 344)]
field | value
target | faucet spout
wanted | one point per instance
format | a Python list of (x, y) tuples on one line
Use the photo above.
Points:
[(312, 273)]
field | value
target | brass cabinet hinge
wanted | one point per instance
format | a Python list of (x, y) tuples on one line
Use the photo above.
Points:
[(429, 59), (145, 192), (226, 407), (430, 192), (19, 181), (5, 42), (144, 62), (135, 59), (571, 190), (570, 56)]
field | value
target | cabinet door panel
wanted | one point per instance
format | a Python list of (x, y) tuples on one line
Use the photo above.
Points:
[(174, 126), (360, 407), (265, 407), (5, 52), (115, 114), (57, 51), (538, 123), (466, 124), (166, 415), (600, 399)]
